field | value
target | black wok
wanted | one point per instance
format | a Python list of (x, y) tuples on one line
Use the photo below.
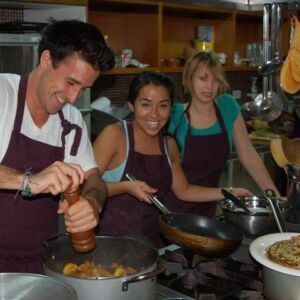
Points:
[(196, 233), (200, 234)]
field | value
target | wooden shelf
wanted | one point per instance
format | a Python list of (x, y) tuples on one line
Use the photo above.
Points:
[(66, 2), (157, 30), (240, 69), (123, 71)]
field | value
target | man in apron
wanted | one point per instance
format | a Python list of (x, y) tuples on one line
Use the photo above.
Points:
[(44, 146)]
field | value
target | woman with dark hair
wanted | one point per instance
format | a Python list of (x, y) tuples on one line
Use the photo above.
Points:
[(139, 148), (205, 127)]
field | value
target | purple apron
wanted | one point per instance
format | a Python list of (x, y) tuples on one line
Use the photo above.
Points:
[(203, 162), (26, 223), (124, 214)]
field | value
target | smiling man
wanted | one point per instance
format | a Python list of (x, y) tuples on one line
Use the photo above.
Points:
[(44, 145)]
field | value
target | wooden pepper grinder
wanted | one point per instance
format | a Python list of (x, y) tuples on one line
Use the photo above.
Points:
[(81, 241)]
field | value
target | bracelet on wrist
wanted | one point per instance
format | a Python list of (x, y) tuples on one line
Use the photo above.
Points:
[(26, 184), (230, 189)]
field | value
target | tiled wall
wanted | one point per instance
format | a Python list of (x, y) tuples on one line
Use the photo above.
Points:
[(11, 14), (115, 87)]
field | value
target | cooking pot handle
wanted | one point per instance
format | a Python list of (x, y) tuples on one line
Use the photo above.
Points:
[(271, 197), (55, 237), (141, 278)]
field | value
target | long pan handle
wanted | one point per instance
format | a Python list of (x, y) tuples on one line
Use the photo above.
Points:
[(152, 198), (271, 197), (235, 200)]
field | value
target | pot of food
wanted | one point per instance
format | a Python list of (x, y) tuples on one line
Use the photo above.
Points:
[(277, 253), (24, 286), (118, 268)]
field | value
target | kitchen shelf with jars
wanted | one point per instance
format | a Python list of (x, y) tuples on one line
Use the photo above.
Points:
[(160, 35)]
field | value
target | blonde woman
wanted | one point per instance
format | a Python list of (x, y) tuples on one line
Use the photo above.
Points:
[(206, 127)]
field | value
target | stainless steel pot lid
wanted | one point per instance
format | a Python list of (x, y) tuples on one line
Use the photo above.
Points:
[(26, 286)]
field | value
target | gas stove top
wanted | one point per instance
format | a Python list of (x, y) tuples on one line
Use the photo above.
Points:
[(196, 277), (164, 293)]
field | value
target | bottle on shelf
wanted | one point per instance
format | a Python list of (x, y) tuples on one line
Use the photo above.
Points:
[(236, 58)]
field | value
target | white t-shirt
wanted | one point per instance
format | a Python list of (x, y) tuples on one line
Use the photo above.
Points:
[(50, 133)]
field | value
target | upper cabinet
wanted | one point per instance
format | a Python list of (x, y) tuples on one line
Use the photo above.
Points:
[(159, 31), (67, 2), (43, 10), (134, 25), (180, 24)]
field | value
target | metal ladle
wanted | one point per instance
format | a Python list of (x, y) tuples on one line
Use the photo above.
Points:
[(276, 103), (270, 66), (267, 105), (277, 49), (273, 65), (260, 106)]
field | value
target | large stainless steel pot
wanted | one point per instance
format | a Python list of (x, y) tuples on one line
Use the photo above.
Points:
[(279, 282), (127, 251), (258, 221), (25, 286)]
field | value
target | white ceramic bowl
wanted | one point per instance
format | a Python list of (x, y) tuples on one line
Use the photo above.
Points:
[(279, 282)]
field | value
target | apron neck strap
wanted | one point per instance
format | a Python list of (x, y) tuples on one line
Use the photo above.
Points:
[(67, 128), (21, 102)]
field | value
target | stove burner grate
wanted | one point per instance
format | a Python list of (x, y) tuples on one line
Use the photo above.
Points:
[(209, 278)]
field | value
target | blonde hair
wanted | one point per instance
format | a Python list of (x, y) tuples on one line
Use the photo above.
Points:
[(208, 59)]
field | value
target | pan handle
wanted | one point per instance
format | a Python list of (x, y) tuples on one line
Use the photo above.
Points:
[(235, 200), (141, 278), (271, 197), (154, 200)]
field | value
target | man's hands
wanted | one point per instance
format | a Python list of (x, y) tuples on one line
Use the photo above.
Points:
[(80, 216), (56, 178)]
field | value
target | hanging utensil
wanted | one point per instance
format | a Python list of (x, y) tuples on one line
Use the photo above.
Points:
[(260, 106), (272, 65), (286, 103), (267, 105), (273, 99)]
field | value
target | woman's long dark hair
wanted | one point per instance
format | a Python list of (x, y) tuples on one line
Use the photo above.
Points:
[(148, 78)]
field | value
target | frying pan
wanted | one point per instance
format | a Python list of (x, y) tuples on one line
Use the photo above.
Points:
[(196, 233)]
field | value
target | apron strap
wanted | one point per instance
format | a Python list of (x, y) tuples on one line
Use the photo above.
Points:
[(67, 128), (21, 103), (130, 136)]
